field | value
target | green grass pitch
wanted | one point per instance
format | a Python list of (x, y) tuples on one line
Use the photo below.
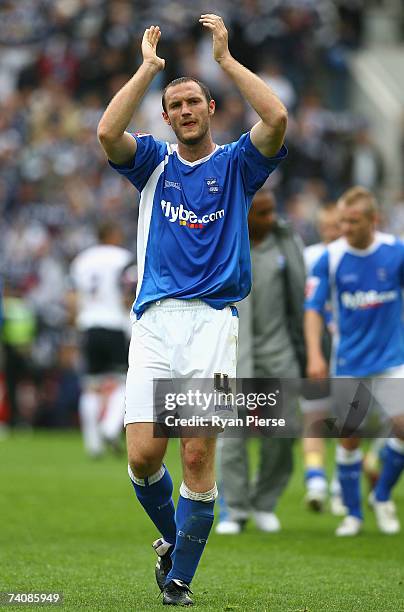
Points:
[(74, 525)]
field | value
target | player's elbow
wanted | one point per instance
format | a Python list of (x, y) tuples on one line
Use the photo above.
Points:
[(275, 129), (272, 133), (111, 143), (107, 133), (280, 120), (104, 134)]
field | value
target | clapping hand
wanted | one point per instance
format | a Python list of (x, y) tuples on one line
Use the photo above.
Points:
[(150, 40), (215, 24)]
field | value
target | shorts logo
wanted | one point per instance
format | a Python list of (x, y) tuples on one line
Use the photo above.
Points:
[(188, 218), (212, 185), (224, 408)]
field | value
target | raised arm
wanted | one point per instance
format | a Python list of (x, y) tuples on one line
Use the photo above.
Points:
[(120, 146), (268, 134)]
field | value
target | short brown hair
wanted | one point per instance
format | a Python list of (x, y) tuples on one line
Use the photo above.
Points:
[(180, 81), (107, 228), (356, 194)]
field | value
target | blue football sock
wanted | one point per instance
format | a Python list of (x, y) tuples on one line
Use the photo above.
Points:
[(194, 519), (349, 464), (155, 495), (223, 509), (311, 472), (393, 465)]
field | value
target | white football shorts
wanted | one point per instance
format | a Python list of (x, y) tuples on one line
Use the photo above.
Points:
[(323, 405), (177, 339), (384, 392)]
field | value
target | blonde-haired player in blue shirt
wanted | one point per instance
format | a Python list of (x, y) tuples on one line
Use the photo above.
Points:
[(362, 274)]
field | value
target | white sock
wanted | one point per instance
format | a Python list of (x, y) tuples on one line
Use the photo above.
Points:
[(396, 444), (112, 422), (347, 457), (207, 496), (89, 411)]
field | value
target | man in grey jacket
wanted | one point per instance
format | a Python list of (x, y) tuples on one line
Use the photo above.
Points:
[(271, 345)]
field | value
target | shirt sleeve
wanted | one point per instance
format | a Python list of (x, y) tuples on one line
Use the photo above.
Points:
[(254, 166), (318, 286), (149, 154)]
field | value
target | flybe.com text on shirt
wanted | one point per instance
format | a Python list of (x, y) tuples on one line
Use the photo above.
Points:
[(179, 213), (367, 299)]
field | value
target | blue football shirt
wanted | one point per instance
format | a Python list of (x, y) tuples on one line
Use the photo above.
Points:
[(192, 231), (365, 287)]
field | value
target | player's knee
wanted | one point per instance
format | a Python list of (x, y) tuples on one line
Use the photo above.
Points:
[(195, 458), (350, 444), (398, 426), (144, 463)]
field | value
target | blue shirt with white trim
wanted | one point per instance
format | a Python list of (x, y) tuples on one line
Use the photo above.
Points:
[(192, 231), (365, 287)]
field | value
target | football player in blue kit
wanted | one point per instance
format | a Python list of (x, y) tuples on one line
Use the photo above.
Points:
[(193, 264), (362, 274)]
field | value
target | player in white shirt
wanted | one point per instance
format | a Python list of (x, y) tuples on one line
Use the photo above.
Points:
[(103, 318)]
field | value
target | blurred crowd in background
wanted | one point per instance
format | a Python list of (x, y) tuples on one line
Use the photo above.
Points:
[(61, 61)]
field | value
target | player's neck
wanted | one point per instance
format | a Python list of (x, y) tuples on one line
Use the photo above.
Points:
[(192, 153), (364, 244)]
